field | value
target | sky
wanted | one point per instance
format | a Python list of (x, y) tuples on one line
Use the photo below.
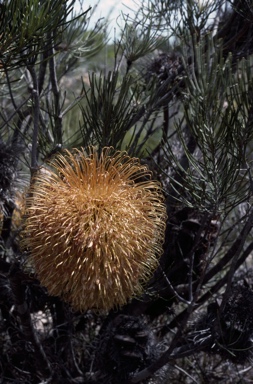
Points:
[(111, 8)]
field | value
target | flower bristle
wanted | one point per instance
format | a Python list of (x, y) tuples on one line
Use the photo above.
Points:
[(94, 227)]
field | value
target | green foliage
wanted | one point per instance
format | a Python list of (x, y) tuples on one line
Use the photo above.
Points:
[(109, 110), (26, 28), (80, 40), (139, 38), (216, 108), (51, 40)]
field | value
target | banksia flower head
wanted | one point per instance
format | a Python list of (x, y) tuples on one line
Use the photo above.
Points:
[(94, 227)]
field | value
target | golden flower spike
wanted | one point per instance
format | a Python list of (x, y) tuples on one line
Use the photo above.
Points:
[(94, 227)]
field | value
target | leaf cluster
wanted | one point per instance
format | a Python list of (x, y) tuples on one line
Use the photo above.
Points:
[(109, 110), (216, 106), (25, 27)]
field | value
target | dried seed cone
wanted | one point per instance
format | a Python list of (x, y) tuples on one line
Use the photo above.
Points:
[(94, 227)]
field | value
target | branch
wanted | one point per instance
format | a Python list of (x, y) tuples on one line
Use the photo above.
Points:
[(234, 249), (181, 321), (23, 315), (207, 295), (242, 238), (36, 117), (56, 93)]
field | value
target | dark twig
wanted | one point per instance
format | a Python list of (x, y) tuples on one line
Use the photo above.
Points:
[(56, 93), (241, 241), (207, 295), (24, 317), (36, 117)]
